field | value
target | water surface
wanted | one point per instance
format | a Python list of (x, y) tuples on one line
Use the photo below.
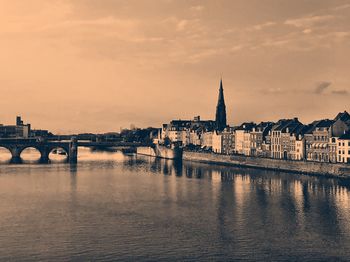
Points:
[(114, 207)]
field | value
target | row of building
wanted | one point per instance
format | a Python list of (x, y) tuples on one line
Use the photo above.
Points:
[(323, 141), (326, 140)]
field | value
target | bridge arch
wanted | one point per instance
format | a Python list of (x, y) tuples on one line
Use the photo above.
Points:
[(30, 153), (5, 154), (58, 154), (18, 146)]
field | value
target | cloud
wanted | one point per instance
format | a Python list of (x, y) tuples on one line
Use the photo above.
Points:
[(236, 48), (341, 7), (181, 25), (259, 27), (197, 8), (340, 92), (308, 21), (321, 87), (307, 31), (202, 55), (274, 90), (341, 34), (276, 42)]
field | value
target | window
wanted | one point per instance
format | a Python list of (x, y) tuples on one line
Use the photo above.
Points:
[(339, 144), (339, 152)]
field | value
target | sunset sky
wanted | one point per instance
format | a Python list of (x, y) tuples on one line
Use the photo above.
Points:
[(98, 65)]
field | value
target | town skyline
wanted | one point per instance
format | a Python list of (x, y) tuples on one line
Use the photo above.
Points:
[(74, 66)]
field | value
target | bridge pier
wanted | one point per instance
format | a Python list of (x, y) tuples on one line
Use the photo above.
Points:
[(16, 154), (44, 155), (73, 151)]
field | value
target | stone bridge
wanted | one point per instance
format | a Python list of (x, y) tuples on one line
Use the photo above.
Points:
[(16, 147), (45, 147)]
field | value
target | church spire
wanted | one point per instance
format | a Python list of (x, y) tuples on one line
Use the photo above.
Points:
[(220, 118)]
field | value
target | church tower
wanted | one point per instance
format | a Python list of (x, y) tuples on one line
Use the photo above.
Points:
[(220, 117)]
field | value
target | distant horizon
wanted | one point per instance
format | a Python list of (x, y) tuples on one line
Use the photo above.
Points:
[(160, 125)]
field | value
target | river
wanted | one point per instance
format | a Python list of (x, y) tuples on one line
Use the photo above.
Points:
[(113, 207)]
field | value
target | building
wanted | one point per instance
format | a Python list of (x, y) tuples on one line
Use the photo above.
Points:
[(322, 132), (186, 132), (20, 130), (242, 138), (332, 145), (207, 140), (228, 141), (320, 140), (194, 136), (217, 142), (40, 133), (281, 142), (343, 148), (258, 137), (220, 117), (341, 124), (246, 144), (297, 143)]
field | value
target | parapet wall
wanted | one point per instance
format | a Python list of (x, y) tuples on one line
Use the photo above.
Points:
[(315, 168)]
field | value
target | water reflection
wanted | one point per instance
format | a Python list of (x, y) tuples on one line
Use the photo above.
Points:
[(5, 155), (135, 207), (58, 155), (30, 155)]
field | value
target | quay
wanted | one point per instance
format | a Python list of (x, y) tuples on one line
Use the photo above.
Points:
[(338, 170)]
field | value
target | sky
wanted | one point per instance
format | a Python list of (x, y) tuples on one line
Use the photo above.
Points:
[(99, 65)]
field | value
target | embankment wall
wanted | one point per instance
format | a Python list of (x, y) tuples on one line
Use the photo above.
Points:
[(306, 167)]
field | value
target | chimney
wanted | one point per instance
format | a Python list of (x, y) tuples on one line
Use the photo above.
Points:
[(19, 121), (197, 118)]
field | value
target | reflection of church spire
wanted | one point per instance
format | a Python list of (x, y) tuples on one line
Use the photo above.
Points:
[(220, 117)]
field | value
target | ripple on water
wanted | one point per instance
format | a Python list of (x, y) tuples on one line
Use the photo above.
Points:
[(114, 207)]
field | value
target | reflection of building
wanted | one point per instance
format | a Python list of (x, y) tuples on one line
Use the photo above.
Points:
[(19, 130), (343, 149)]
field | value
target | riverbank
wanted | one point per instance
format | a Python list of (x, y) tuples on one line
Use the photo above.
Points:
[(304, 167), (160, 151)]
